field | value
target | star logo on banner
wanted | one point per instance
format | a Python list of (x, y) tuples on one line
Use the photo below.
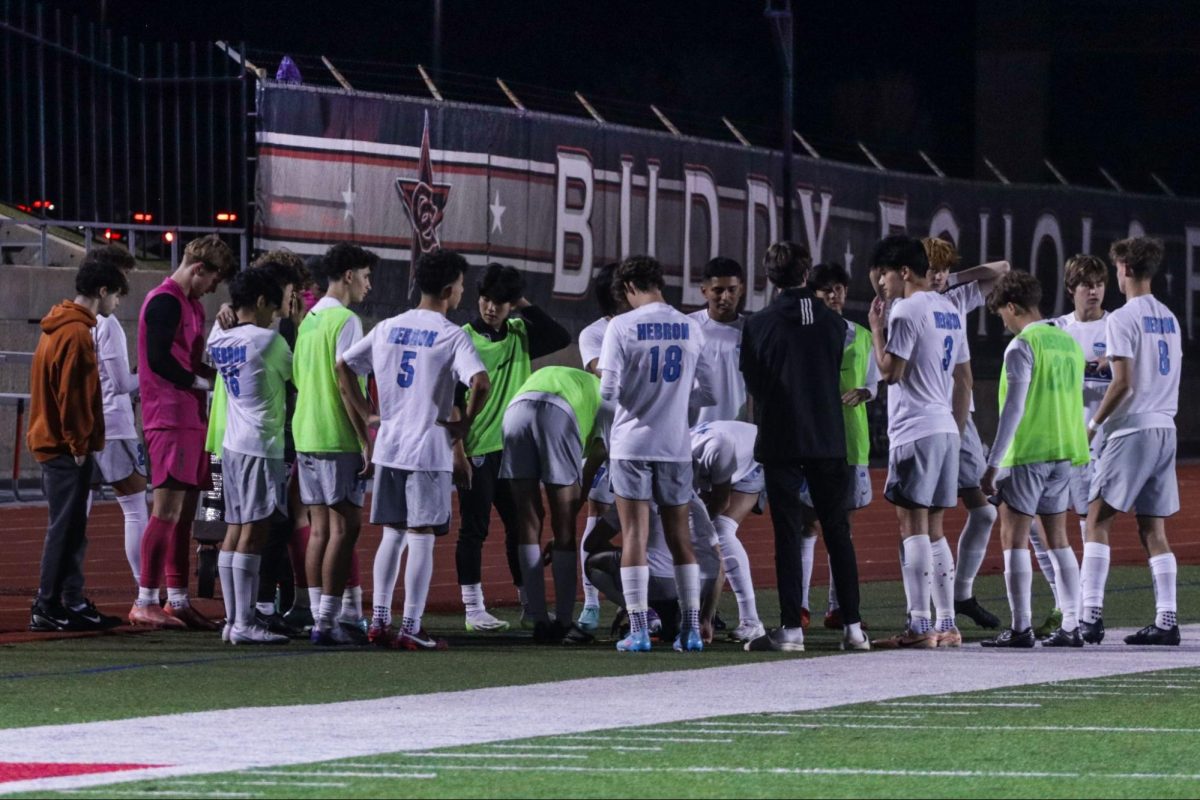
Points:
[(424, 202), (497, 214), (848, 257), (348, 201)]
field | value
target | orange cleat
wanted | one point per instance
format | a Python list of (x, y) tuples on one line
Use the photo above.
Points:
[(950, 638), (908, 640), (191, 618), (805, 619), (152, 616)]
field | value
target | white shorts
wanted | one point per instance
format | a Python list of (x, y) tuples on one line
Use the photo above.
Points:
[(327, 479), (972, 457), (1031, 489), (601, 490), (1136, 472), (924, 473), (541, 442), (403, 499), (255, 488), (668, 483), (119, 459)]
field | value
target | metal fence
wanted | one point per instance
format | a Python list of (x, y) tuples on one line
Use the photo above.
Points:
[(98, 127)]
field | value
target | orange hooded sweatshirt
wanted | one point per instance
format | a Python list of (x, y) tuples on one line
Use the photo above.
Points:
[(66, 412)]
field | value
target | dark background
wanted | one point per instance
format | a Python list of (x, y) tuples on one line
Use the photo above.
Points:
[(1085, 84)]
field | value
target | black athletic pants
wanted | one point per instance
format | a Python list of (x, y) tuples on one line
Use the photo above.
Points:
[(275, 569), (66, 486), (475, 513), (828, 485)]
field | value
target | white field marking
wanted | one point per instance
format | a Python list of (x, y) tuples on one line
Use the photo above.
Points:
[(251, 737), (164, 793), (341, 773), (668, 739), (241, 782), (917, 726), (572, 747), (561, 756), (1141, 687), (968, 705), (897, 714), (691, 728)]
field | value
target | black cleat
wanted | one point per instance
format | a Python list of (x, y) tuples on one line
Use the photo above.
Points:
[(971, 609), (1010, 638), (718, 623), (620, 624), (576, 635), (1092, 632), (48, 616), (89, 618), (548, 632), (278, 624), (1154, 635), (1061, 638)]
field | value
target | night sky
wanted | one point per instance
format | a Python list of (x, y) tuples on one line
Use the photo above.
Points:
[(1119, 80)]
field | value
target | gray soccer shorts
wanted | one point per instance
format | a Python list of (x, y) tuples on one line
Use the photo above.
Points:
[(602, 490), (1030, 489), (860, 495), (327, 479), (972, 457), (541, 442), (1137, 472), (924, 473), (1081, 486), (668, 483), (254, 487), (404, 500), (119, 459)]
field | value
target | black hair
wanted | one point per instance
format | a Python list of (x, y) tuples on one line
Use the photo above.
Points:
[(1019, 288), (501, 283), (112, 253), (1141, 254), (898, 251), (316, 268), (343, 257), (644, 272), (602, 289), (94, 275), (787, 264), (437, 270), (250, 284), (721, 267), (824, 276)]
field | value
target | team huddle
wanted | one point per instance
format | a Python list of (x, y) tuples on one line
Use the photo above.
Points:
[(672, 430)]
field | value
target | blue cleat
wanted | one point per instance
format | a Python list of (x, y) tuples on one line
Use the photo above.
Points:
[(689, 640), (635, 643), (589, 619)]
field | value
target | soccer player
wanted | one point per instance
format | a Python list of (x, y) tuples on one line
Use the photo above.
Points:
[(507, 344), (417, 357), (922, 354), (173, 382), (1039, 438), (548, 427), (723, 287), (329, 447), (66, 426), (255, 365), (967, 289), (648, 365), (122, 462), (859, 384), (1136, 471), (791, 357)]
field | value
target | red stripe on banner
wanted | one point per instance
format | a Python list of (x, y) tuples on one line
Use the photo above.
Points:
[(376, 160), (24, 771), (470, 248)]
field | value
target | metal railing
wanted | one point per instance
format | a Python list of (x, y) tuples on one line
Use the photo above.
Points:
[(137, 237)]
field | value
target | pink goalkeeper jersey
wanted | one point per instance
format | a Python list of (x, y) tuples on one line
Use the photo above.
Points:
[(165, 405)]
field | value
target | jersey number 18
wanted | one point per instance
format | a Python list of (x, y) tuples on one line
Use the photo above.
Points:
[(672, 364)]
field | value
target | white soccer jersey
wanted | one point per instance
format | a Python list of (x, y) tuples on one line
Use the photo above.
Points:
[(255, 364), (966, 297), (591, 339), (1092, 338), (418, 357), (1145, 331), (926, 330), (722, 348), (649, 362), (723, 452), (117, 383)]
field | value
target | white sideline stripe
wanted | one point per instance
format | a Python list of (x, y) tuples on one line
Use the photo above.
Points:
[(918, 726), (629, 738), (691, 728), (573, 747), (263, 737), (164, 793), (968, 705), (336, 773), (237, 782), (419, 754)]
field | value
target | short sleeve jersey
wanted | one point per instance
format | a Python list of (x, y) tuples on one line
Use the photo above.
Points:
[(255, 365), (418, 357), (722, 348), (112, 355), (1145, 331), (1092, 338), (926, 330), (649, 361), (591, 339), (723, 452)]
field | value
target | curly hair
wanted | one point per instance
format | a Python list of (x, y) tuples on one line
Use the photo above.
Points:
[(1019, 288), (644, 272), (1142, 255)]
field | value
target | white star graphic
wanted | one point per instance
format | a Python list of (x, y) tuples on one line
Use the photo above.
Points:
[(348, 201), (848, 257), (497, 212)]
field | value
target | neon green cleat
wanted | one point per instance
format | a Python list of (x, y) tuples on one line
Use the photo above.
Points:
[(1052, 623)]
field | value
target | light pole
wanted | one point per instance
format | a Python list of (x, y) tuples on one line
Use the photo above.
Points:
[(780, 14)]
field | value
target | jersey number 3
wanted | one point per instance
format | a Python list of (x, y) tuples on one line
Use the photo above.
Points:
[(948, 345), (672, 364), (404, 378)]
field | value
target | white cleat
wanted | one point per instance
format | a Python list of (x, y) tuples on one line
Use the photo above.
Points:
[(255, 634), (226, 629), (850, 643), (746, 631), (482, 621)]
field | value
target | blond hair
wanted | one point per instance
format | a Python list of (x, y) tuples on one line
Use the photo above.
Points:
[(213, 253), (942, 255)]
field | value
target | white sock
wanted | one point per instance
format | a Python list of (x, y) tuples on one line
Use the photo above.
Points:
[(417, 574), (808, 547), (833, 598), (1045, 563), (178, 598), (562, 566), (245, 568), (916, 566), (533, 581), (972, 549), (1067, 570), (943, 583), (736, 562), (385, 573), (225, 571), (327, 610), (472, 597), (635, 586), (137, 517), (591, 595), (314, 597), (1164, 570), (1093, 574), (351, 604), (148, 596), (687, 586), (266, 609), (1083, 530), (1018, 579), (91, 497)]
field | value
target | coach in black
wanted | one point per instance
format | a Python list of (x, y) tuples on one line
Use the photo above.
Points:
[(791, 358)]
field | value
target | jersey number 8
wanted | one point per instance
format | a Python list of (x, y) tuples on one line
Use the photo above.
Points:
[(404, 378), (1164, 357), (672, 364)]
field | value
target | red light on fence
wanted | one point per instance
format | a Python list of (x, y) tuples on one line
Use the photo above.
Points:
[(112, 236), (226, 216), (25, 208), (43, 205), (142, 216), (169, 237)]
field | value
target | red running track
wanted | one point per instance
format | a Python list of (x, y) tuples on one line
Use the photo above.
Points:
[(110, 584)]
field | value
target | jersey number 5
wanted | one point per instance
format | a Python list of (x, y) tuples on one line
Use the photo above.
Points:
[(404, 378), (672, 364), (948, 345)]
